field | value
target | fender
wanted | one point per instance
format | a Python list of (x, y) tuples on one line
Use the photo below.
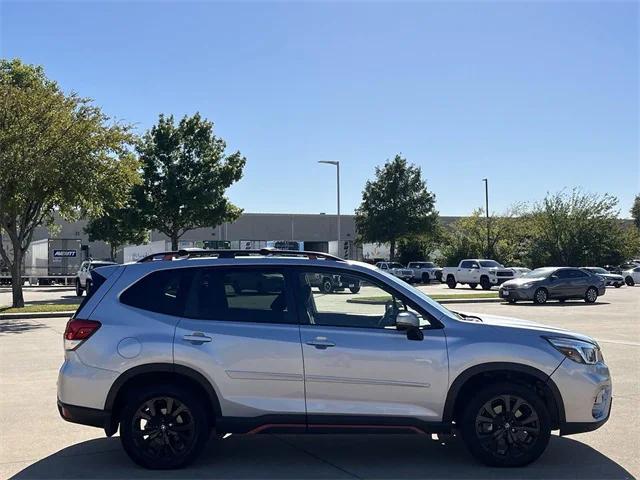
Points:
[(461, 379), (162, 368)]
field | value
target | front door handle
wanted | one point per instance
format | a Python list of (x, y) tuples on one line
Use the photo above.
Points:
[(197, 338), (321, 343)]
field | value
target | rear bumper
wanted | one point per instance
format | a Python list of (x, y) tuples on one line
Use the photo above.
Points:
[(84, 416)]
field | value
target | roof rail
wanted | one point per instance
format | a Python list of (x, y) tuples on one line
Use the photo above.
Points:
[(265, 252)]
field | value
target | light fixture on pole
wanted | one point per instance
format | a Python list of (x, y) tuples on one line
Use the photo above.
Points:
[(337, 164), (486, 211)]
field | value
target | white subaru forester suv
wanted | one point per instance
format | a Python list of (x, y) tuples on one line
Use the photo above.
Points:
[(183, 344)]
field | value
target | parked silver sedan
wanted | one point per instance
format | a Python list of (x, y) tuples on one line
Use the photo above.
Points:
[(560, 283)]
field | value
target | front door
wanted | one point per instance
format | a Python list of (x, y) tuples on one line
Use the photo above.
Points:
[(357, 363), (240, 331)]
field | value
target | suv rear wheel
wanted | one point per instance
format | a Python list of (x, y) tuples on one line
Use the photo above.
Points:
[(327, 285), (163, 427), (506, 425)]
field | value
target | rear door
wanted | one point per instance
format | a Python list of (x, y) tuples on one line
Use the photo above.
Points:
[(239, 329), (358, 363)]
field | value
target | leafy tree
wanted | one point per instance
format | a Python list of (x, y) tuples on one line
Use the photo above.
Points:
[(117, 227), (577, 229), (396, 205), (635, 212), (467, 238), (58, 152), (185, 175)]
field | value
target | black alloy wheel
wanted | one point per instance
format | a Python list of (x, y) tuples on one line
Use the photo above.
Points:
[(506, 425), (164, 430)]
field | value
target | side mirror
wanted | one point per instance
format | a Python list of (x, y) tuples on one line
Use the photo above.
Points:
[(409, 322)]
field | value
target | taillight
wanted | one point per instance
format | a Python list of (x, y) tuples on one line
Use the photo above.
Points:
[(78, 331)]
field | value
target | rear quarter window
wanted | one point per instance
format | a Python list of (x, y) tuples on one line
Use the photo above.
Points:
[(162, 291)]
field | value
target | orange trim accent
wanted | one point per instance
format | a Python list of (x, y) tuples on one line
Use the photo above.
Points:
[(271, 425)]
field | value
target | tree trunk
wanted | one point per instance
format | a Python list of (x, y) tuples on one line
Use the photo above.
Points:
[(16, 278), (174, 241), (112, 253), (392, 250)]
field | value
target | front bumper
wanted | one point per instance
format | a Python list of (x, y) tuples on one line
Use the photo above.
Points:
[(516, 293), (586, 392)]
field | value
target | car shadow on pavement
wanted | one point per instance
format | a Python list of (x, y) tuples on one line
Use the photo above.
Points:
[(326, 456)]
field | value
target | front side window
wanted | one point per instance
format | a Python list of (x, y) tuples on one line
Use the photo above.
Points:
[(239, 295), (372, 307)]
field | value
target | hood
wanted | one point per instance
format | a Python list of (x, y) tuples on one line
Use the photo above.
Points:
[(509, 322), (517, 282)]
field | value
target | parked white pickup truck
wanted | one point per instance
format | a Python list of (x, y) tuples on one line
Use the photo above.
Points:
[(425, 271), (395, 268), (477, 271)]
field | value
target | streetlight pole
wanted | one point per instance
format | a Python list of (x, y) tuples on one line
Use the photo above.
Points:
[(486, 210), (337, 164)]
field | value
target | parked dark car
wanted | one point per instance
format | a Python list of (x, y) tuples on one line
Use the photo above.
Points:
[(561, 283), (333, 283), (609, 278)]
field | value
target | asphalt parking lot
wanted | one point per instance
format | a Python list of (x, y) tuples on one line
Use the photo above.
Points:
[(36, 443)]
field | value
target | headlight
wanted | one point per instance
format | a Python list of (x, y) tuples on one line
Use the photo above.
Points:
[(577, 350), (527, 285)]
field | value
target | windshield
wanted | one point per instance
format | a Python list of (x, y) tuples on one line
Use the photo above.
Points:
[(539, 273), (395, 265), (490, 264), (595, 270)]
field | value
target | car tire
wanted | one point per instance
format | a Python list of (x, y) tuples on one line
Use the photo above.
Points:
[(178, 439), (327, 285), (618, 285), (438, 276), (79, 290), (540, 296), (473, 285), (485, 283), (425, 278), (496, 435), (451, 282), (591, 295), (512, 301), (354, 289), (629, 281)]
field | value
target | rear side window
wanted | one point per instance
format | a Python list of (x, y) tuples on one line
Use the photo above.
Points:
[(97, 281), (240, 295), (163, 291)]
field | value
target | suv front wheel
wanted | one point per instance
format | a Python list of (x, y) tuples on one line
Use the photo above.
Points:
[(163, 427), (506, 425)]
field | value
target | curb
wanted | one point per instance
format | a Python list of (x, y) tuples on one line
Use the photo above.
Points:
[(28, 315)]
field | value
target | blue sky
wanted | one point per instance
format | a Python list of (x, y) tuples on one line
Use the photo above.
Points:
[(536, 96)]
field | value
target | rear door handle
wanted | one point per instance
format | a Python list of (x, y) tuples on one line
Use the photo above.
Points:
[(197, 338), (321, 343)]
